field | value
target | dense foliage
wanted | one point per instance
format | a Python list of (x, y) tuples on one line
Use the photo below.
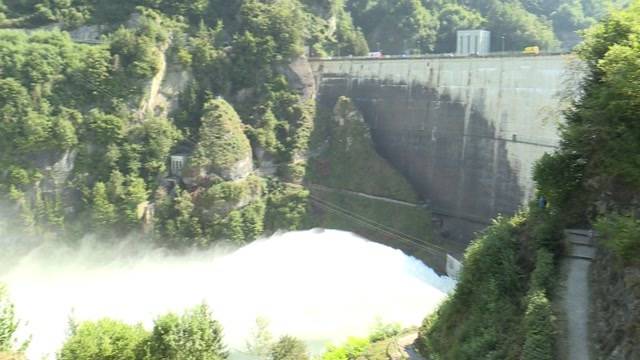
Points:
[(8, 323), (86, 152), (591, 178), (510, 317), (596, 171), (85, 144), (193, 335), (600, 135)]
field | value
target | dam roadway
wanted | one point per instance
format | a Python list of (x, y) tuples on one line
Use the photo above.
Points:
[(465, 131)]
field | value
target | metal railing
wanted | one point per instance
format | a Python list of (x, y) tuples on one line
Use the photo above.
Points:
[(441, 56)]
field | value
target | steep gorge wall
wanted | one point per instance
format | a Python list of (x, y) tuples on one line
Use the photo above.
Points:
[(466, 132)]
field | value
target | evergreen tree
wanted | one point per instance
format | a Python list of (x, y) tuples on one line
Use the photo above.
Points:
[(539, 327), (103, 213), (8, 323), (193, 336)]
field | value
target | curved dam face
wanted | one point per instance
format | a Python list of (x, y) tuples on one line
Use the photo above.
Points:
[(466, 132)]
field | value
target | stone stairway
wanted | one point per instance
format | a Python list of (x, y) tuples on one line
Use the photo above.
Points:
[(580, 244), (575, 294)]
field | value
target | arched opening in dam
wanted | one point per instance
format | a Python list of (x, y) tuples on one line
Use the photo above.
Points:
[(318, 285)]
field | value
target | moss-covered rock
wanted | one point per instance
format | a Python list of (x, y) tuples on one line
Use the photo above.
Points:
[(223, 149), (349, 158), (226, 196)]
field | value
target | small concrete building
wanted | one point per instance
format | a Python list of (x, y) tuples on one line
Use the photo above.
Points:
[(473, 42), (177, 163)]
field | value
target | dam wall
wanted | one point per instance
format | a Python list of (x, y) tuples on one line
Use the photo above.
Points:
[(465, 131)]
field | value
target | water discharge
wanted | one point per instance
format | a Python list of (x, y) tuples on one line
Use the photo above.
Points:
[(317, 285)]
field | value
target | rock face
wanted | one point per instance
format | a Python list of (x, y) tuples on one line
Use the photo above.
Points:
[(616, 309), (164, 89), (300, 77), (351, 155)]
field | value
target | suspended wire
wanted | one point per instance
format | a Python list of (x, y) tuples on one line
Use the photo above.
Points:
[(387, 228), (433, 249), (421, 246)]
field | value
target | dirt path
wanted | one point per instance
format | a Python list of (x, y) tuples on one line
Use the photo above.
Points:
[(406, 344), (575, 295)]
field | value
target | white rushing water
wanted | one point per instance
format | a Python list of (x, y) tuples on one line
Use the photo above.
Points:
[(316, 285)]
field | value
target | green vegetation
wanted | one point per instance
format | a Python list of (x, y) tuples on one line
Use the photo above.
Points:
[(350, 157), (421, 26), (599, 138), (375, 347), (8, 325), (346, 160), (620, 235), (262, 345), (105, 340), (85, 153), (289, 348), (193, 335), (222, 141), (591, 178), (65, 102), (510, 317)]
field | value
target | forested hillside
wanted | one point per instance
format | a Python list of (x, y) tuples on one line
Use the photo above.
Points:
[(87, 130), (85, 144)]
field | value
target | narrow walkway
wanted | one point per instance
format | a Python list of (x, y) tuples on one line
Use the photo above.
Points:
[(575, 295), (403, 348)]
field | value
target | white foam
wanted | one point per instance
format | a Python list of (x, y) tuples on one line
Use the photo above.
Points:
[(317, 285)]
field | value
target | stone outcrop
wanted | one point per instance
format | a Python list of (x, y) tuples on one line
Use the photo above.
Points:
[(615, 309), (300, 77), (223, 150)]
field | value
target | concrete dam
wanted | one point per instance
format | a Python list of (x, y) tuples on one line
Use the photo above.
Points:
[(465, 131)]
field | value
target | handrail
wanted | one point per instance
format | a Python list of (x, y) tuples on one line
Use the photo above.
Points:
[(441, 56)]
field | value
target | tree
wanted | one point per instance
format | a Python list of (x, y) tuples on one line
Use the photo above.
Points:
[(539, 329), (135, 195), (396, 26), (289, 348), (193, 336), (454, 17), (601, 130), (105, 128), (156, 137), (105, 339), (8, 324), (103, 212), (261, 340)]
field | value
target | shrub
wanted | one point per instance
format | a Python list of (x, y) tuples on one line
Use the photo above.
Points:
[(289, 348), (543, 277), (352, 349), (539, 331), (8, 323), (105, 339), (382, 331), (194, 335), (619, 234)]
